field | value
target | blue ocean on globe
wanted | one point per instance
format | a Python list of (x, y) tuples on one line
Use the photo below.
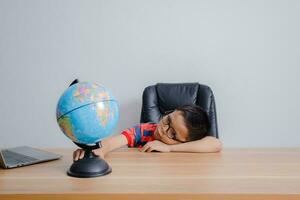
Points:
[(87, 113)]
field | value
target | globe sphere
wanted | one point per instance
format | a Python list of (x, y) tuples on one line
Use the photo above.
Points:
[(87, 113)]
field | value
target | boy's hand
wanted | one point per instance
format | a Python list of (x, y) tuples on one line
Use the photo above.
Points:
[(79, 153), (155, 145), (99, 152)]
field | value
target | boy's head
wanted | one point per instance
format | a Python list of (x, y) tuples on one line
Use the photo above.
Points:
[(186, 123)]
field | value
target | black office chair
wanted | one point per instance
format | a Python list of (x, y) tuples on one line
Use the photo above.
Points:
[(163, 97)]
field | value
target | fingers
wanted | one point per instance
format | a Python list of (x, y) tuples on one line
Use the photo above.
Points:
[(149, 149), (75, 155), (96, 152), (146, 148), (78, 154), (81, 154), (99, 153)]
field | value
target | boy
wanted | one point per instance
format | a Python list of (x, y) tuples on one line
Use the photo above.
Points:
[(183, 130)]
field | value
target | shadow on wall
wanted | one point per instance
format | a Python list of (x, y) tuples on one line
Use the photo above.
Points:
[(130, 113)]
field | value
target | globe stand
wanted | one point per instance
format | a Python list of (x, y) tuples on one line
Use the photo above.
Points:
[(90, 165)]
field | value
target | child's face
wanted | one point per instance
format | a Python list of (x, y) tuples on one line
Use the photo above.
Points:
[(171, 129)]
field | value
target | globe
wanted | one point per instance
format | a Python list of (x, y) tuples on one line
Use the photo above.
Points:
[(87, 113)]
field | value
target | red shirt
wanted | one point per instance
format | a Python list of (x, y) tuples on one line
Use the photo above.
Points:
[(140, 134)]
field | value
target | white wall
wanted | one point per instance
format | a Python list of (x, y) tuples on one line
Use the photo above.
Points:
[(246, 51)]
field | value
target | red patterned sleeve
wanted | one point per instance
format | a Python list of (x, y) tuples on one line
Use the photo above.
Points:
[(130, 135)]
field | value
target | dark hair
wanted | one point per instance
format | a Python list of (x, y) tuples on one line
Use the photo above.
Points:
[(196, 121)]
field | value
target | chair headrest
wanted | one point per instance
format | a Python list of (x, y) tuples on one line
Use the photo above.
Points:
[(163, 97), (171, 96)]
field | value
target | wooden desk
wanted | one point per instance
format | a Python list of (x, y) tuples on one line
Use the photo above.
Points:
[(232, 174)]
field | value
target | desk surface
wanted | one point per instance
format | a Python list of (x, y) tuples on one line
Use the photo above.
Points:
[(230, 174)]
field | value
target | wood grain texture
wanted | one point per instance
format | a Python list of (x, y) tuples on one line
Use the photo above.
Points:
[(230, 174)]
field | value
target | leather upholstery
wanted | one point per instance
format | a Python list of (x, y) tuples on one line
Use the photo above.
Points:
[(162, 97)]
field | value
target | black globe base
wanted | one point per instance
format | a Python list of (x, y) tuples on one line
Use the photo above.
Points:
[(89, 166)]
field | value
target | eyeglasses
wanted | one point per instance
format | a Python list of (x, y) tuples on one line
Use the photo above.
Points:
[(170, 132)]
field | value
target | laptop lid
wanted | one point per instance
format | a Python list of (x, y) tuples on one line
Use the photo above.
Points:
[(2, 161), (38, 156), (34, 152)]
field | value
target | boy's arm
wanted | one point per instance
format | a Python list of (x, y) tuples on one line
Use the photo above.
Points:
[(111, 143), (205, 145), (108, 145)]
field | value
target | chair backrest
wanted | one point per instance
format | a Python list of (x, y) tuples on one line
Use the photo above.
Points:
[(162, 97)]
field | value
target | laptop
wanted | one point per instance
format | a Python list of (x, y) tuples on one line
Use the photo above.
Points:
[(24, 155)]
